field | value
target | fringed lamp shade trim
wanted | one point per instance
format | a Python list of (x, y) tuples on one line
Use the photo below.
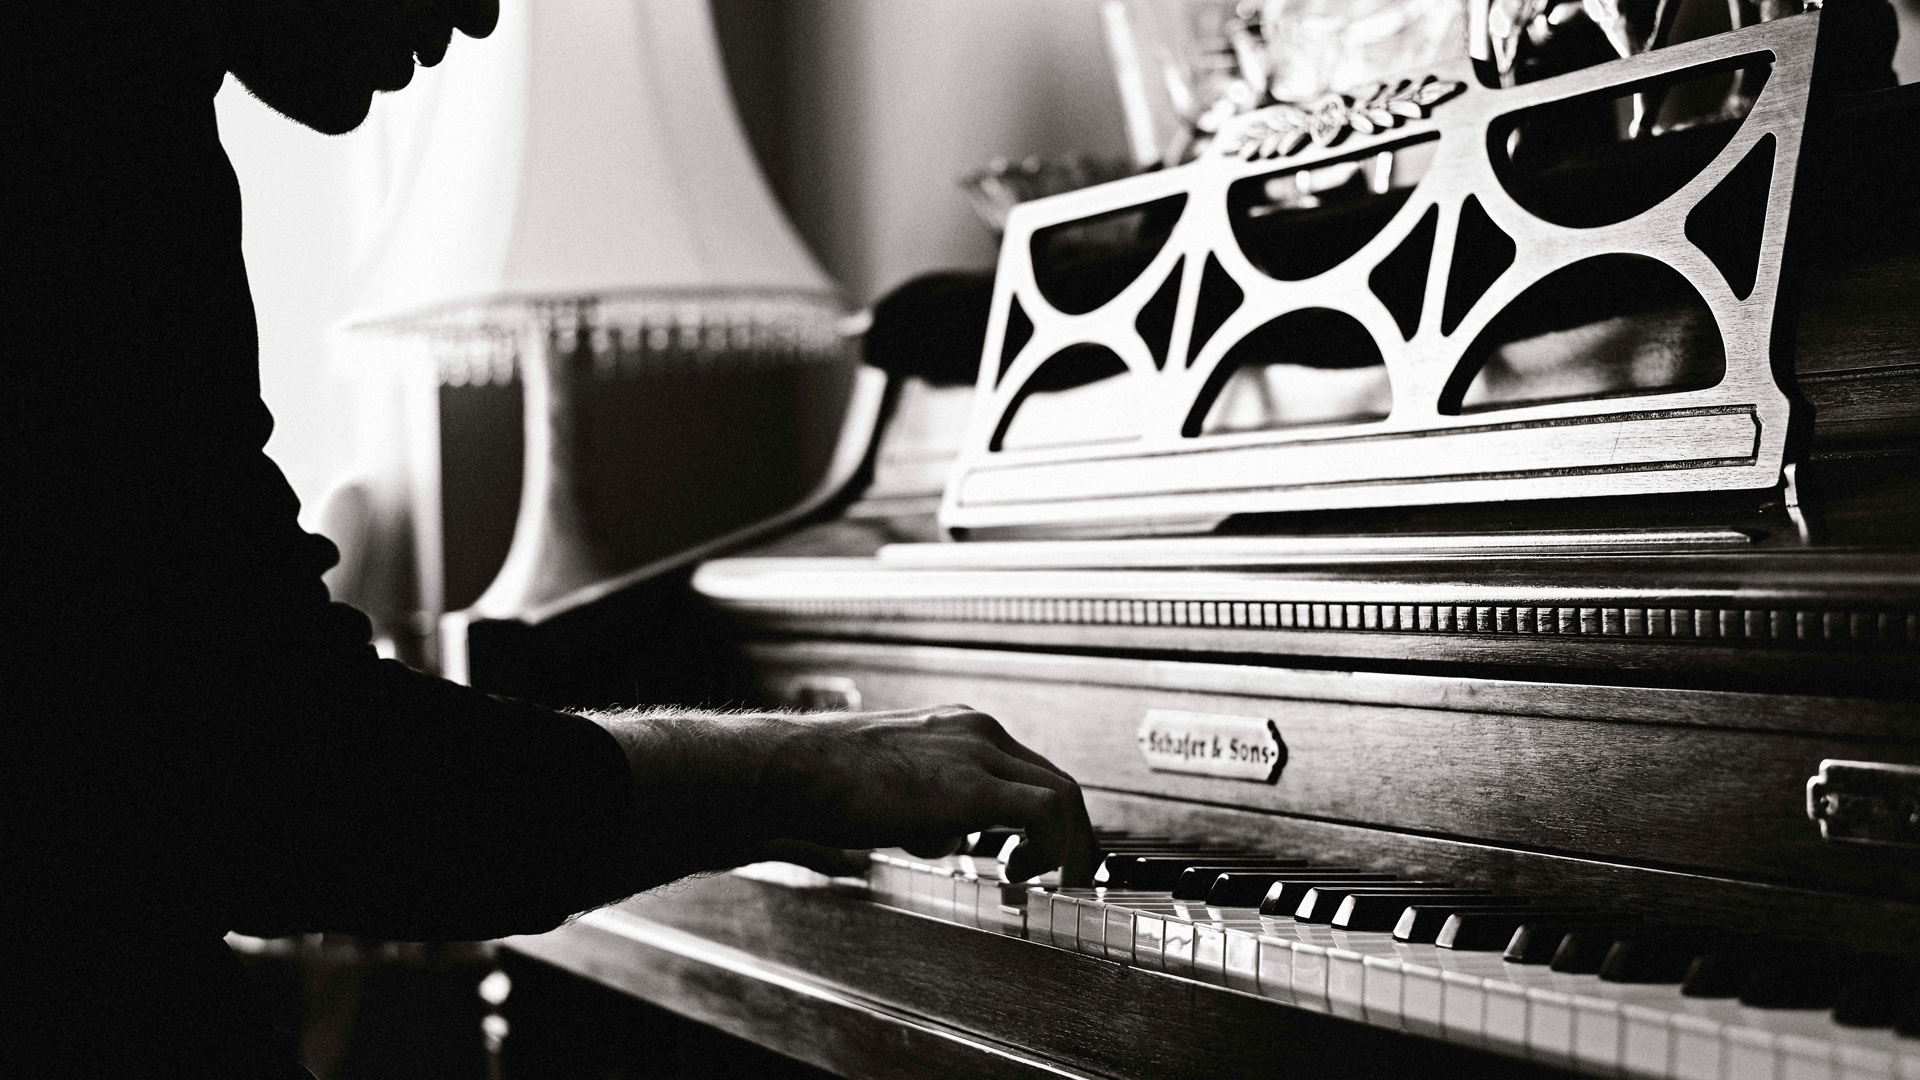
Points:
[(633, 335)]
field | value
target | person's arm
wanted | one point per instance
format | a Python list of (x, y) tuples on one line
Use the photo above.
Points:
[(715, 790), (381, 801)]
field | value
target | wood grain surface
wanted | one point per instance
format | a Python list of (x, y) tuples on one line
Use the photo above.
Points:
[(780, 1008), (1673, 794)]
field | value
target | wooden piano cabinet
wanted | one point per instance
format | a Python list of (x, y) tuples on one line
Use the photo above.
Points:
[(1686, 805), (1696, 780)]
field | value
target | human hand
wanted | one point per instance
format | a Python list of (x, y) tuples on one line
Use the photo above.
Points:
[(920, 779)]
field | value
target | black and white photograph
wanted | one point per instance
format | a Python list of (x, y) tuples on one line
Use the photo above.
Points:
[(918, 539)]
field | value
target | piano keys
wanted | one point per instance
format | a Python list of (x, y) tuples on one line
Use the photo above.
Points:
[(1658, 1020)]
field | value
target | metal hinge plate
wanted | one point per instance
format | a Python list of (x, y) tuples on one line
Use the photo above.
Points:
[(1866, 802)]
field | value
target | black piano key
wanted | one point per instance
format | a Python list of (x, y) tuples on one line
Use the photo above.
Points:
[(1322, 901), (1907, 1022), (1381, 911), (1537, 942), (1114, 864), (1284, 896), (1157, 873), (1198, 882), (1808, 980), (1722, 970), (1657, 955), (1876, 998), (1242, 888), (1717, 974), (991, 843), (1583, 950), (1421, 923), (1490, 931)]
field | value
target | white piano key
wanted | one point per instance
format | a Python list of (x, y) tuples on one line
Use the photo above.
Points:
[(1463, 1007), (891, 878), (1910, 1059), (1210, 952), (1597, 1033), (1869, 1053), (1504, 1026), (922, 883), (1803, 1058), (1863, 1063), (1384, 991), (1066, 920), (1275, 970), (1002, 917), (1149, 938), (1600, 1023), (1420, 994), (1241, 959), (1646, 1047), (1749, 1052), (1117, 939), (1091, 935), (1698, 1042), (1348, 975), (1040, 916), (1346, 983), (1310, 976), (1550, 1025), (1176, 947), (966, 899)]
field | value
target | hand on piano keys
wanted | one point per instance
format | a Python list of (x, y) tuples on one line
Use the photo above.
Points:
[(1569, 982), (919, 779)]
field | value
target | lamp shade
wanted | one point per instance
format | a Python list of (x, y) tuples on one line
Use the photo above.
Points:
[(574, 206), (589, 148)]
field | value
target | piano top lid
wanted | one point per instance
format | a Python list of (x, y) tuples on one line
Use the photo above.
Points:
[(1194, 552), (1782, 617), (1243, 569)]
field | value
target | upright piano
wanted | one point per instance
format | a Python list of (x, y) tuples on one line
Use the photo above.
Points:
[(1445, 709)]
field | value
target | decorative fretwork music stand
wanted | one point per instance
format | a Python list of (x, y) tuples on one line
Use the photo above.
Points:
[(1427, 359)]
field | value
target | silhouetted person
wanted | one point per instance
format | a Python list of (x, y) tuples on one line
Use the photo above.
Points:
[(197, 740)]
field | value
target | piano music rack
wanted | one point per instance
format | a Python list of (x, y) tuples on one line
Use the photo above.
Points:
[(1152, 357)]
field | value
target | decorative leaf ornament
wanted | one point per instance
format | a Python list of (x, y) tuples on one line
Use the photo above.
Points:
[(1282, 130)]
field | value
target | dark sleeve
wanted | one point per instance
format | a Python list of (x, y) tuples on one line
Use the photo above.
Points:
[(406, 807)]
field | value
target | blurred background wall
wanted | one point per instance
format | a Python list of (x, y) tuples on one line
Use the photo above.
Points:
[(864, 114)]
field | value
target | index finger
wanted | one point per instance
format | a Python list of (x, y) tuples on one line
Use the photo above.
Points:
[(1059, 832)]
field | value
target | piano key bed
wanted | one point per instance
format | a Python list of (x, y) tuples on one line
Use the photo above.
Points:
[(1641, 1023)]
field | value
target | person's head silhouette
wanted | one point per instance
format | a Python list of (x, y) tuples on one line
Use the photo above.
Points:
[(320, 61)]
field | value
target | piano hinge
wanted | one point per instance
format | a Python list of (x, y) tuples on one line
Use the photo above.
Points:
[(1866, 802)]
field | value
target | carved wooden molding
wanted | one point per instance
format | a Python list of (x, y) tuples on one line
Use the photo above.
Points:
[(1731, 434), (1596, 619)]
